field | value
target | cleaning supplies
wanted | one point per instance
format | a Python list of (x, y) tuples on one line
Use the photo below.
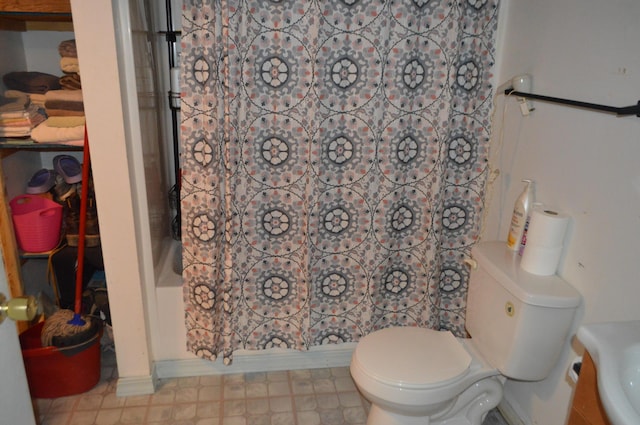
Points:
[(521, 211)]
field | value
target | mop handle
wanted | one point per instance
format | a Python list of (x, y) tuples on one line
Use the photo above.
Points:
[(86, 165)]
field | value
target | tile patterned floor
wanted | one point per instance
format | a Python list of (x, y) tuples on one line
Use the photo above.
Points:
[(298, 397)]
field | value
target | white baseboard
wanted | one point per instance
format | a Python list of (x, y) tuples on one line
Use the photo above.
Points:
[(135, 385), (260, 361)]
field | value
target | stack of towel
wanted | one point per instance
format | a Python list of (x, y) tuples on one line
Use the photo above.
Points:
[(45, 107), (34, 84), (18, 116), (65, 107), (69, 65)]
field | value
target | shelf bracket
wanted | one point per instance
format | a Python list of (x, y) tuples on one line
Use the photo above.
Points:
[(619, 111)]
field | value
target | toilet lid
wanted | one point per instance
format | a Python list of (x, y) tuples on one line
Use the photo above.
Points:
[(412, 357)]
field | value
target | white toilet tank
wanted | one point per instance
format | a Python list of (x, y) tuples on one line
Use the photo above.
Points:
[(518, 321)]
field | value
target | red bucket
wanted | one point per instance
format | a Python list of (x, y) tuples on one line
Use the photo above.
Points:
[(58, 372), (37, 222)]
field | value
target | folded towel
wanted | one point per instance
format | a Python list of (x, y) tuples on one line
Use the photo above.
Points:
[(70, 82), (64, 100), (79, 142), (15, 132), (35, 98), (70, 65), (20, 124), (31, 82), (15, 122), (14, 103), (67, 49), (30, 111), (47, 134), (65, 95), (64, 104), (15, 94), (65, 121), (64, 113)]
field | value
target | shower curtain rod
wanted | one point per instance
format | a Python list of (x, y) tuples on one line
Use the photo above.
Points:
[(622, 111)]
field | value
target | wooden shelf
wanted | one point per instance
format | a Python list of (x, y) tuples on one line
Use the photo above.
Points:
[(21, 15), (39, 7), (9, 146)]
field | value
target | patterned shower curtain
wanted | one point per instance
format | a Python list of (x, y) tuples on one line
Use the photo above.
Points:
[(334, 165)]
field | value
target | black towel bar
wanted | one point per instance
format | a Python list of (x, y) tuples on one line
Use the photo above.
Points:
[(623, 111)]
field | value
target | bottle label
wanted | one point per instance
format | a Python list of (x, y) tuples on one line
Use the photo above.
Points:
[(523, 241), (516, 222)]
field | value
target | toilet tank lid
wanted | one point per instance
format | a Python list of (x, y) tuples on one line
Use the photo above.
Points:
[(504, 266)]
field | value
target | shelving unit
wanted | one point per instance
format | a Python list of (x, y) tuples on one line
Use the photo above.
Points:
[(11, 254), (20, 15)]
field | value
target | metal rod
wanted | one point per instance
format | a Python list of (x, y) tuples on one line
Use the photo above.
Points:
[(172, 51), (170, 34), (622, 111)]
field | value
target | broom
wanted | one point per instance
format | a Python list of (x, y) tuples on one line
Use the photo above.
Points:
[(65, 327)]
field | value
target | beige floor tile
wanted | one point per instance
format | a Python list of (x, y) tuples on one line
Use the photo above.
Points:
[(184, 411), (159, 413), (186, 394), (298, 397), (163, 396), (83, 417), (133, 415), (209, 393), (258, 406), (210, 409), (89, 402), (257, 389), (278, 388), (108, 417)]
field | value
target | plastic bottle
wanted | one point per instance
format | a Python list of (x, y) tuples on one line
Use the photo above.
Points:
[(523, 239), (521, 211)]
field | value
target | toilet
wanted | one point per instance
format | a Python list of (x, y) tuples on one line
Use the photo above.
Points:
[(518, 323)]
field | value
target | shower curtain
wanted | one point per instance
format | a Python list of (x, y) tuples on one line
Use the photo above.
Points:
[(334, 159)]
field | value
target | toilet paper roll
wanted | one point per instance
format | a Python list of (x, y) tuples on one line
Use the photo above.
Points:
[(541, 260), (547, 228)]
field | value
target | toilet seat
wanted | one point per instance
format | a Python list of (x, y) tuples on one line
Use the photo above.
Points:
[(411, 357)]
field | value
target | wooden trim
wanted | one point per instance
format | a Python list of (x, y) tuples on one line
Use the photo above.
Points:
[(12, 24), (587, 407), (41, 15), (49, 26), (35, 6), (9, 249)]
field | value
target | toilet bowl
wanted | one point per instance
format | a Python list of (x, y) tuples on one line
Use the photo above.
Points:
[(421, 376), (518, 323)]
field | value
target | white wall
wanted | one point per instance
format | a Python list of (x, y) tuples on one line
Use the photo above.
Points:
[(11, 46), (41, 50), (584, 163), (113, 124)]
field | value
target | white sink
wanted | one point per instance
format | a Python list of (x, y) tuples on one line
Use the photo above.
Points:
[(615, 349)]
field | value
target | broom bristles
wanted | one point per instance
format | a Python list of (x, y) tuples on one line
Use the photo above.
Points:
[(58, 326)]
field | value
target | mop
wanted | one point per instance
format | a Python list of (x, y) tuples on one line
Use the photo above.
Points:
[(65, 327)]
